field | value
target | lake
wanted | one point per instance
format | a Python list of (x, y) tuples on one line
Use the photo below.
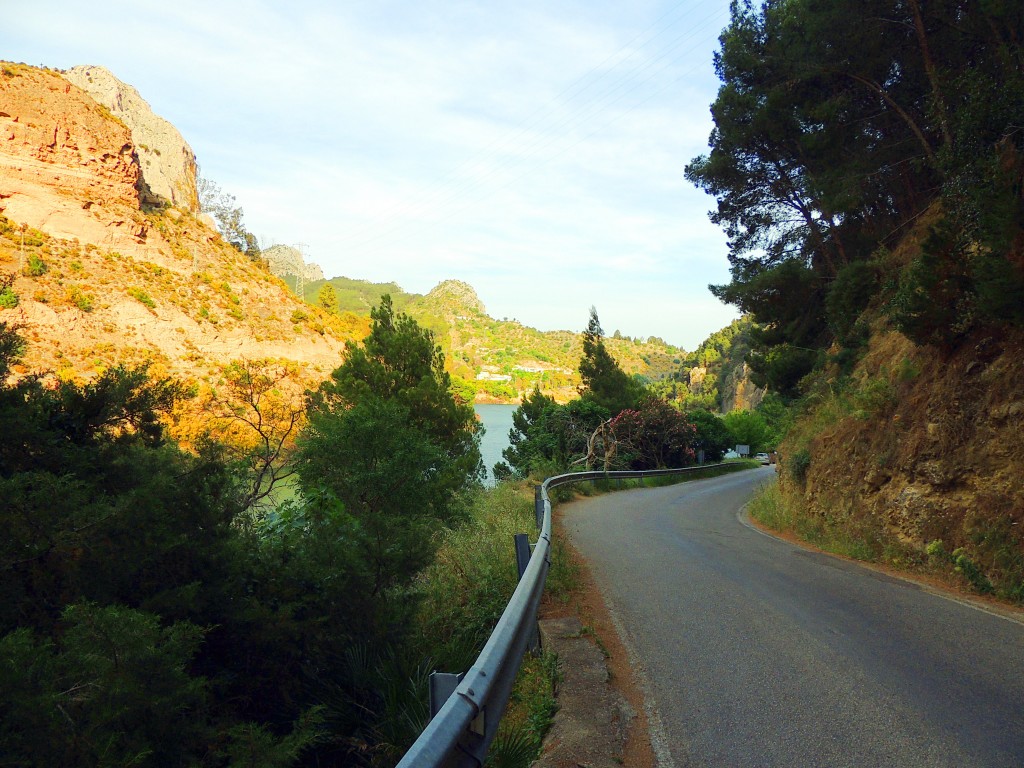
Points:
[(497, 420)]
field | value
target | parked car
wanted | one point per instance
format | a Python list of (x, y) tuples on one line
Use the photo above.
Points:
[(764, 458)]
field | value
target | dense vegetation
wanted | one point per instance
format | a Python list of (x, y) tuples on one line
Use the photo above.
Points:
[(153, 613), (514, 358), (868, 165), (619, 423), (837, 125)]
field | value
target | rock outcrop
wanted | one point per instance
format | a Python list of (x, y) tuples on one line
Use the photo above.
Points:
[(65, 167), (167, 162), (286, 260), (114, 283), (737, 391), (457, 297)]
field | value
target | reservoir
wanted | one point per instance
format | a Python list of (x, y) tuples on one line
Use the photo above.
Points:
[(497, 420)]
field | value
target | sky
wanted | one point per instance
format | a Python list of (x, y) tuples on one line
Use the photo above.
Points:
[(532, 149)]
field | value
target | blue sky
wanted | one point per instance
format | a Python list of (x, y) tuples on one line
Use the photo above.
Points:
[(533, 149)]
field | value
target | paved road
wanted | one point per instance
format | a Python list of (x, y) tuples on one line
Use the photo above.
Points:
[(759, 653)]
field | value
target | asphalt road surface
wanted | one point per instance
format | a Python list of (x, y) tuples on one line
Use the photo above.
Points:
[(755, 652)]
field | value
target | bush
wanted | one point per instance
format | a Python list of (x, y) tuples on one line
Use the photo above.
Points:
[(8, 298), (142, 297), (798, 465), (35, 266), (79, 298)]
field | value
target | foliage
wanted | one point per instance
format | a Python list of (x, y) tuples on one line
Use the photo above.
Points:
[(79, 298), (711, 434), (256, 414), (400, 361), (798, 464), (327, 298), (229, 216), (654, 435), (777, 416), (602, 380), (836, 126), (547, 437), (142, 297), (8, 298), (35, 266), (749, 428), (112, 689), (143, 619), (388, 452)]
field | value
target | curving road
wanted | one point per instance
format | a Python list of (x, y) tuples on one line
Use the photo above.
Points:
[(755, 652)]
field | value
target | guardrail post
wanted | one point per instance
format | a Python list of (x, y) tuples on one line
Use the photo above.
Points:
[(523, 555), (442, 685), (538, 506), (522, 552)]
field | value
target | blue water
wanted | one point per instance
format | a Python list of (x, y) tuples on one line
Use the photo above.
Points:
[(497, 420)]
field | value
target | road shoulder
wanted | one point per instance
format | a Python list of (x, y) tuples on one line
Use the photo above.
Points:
[(600, 694)]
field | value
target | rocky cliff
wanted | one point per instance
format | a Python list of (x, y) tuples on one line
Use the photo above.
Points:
[(737, 391), (98, 279), (167, 162), (67, 166)]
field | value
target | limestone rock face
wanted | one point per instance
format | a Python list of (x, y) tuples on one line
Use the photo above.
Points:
[(285, 260), (66, 167), (167, 162), (738, 392)]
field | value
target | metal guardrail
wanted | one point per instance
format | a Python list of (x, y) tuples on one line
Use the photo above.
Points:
[(462, 729)]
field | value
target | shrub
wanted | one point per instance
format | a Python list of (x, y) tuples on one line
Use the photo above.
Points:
[(141, 296), (8, 298), (798, 465), (35, 266), (79, 298)]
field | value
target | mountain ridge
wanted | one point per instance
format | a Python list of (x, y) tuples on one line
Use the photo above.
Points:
[(98, 273)]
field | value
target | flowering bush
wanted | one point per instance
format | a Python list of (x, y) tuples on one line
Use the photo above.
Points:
[(653, 435)]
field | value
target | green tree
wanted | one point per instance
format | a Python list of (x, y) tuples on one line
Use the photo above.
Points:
[(748, 428), (401, 361), (547, 438), (389, 451), (527, 442), (837, 125), (117, 548), (328, 298), (113, 689), (713, 436), (603, 381)]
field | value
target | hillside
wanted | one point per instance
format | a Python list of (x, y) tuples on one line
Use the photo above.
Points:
[(97, 277), (715, 376), (105, 267), (499, 359), (868, 166), (915, 456)]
